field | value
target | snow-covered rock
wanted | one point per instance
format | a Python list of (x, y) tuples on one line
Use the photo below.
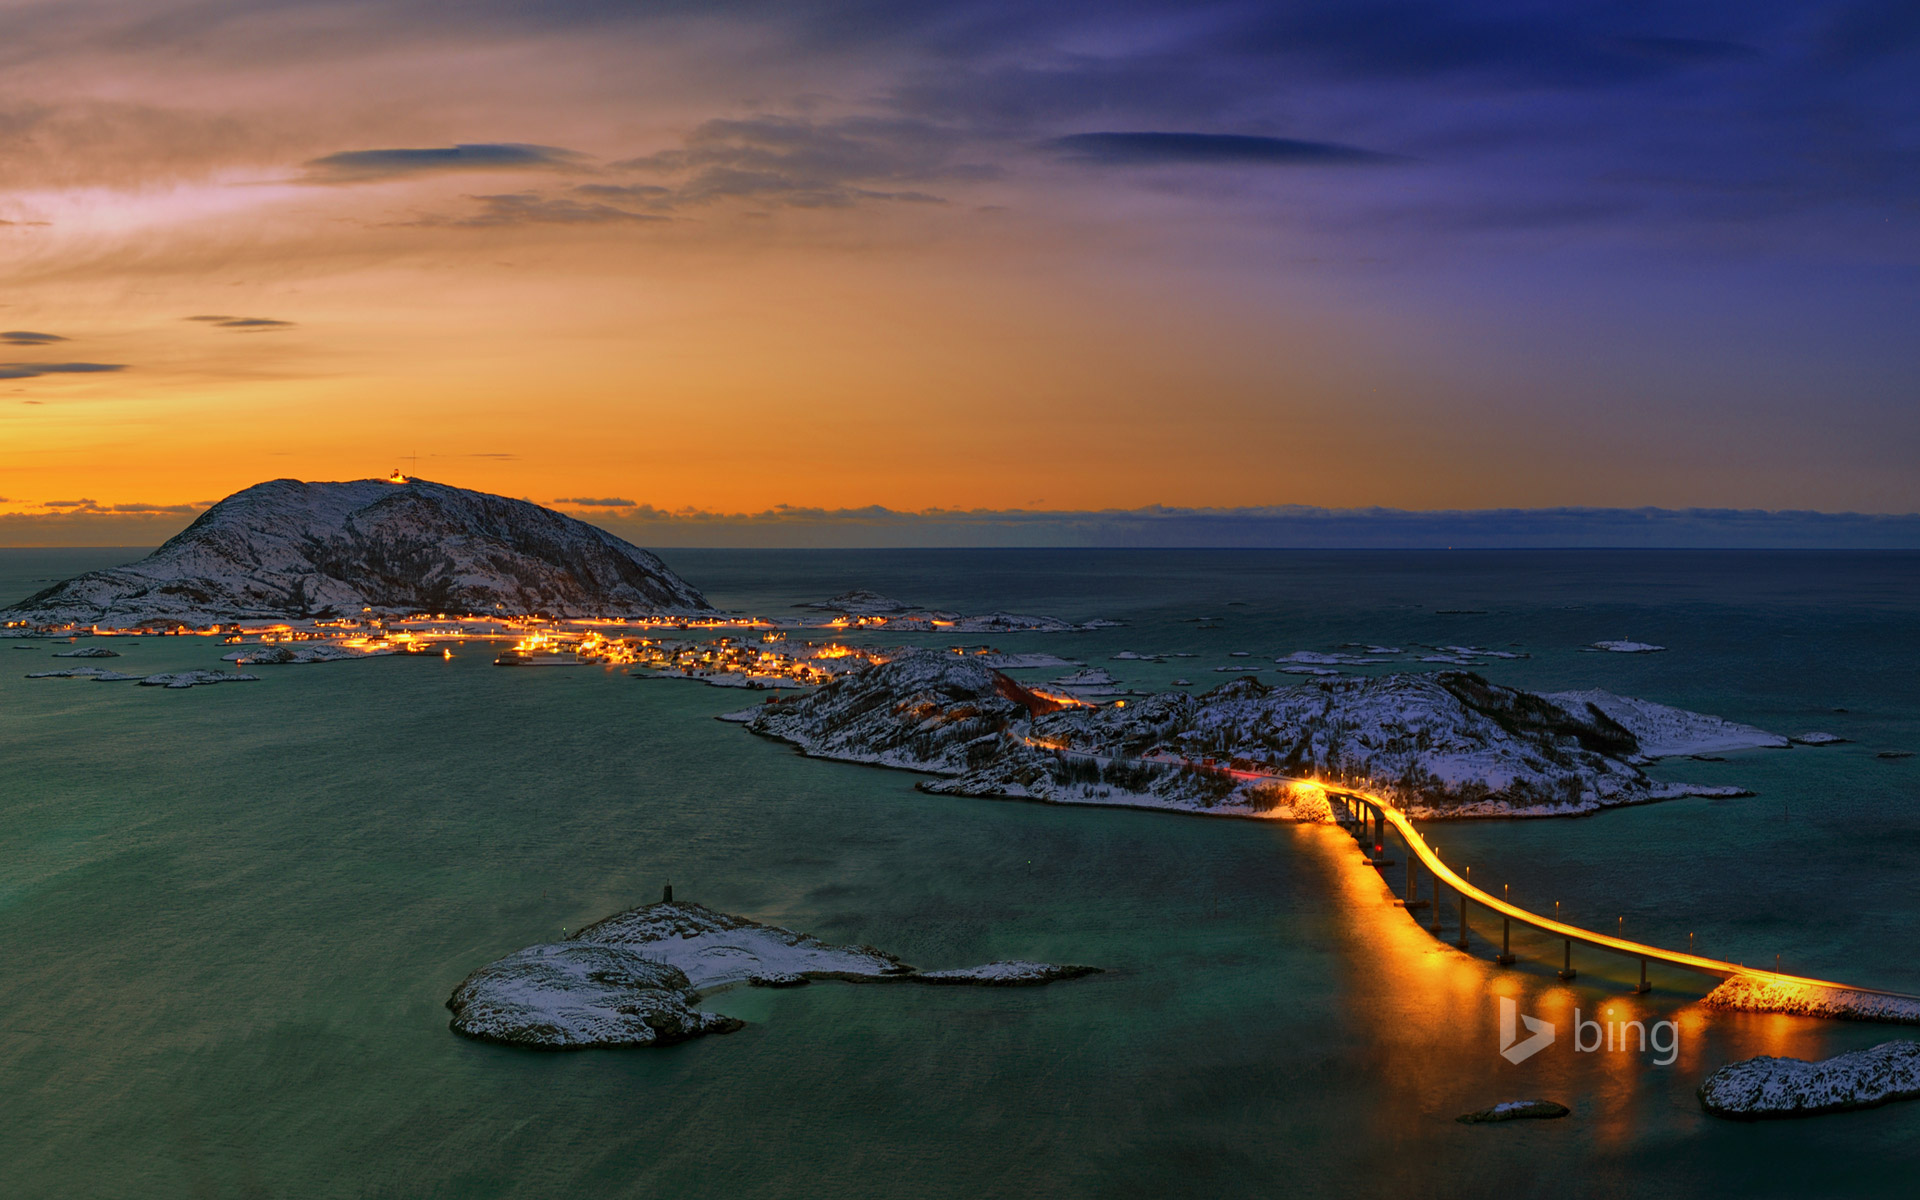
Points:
[(860, 602), (187, 679), (88, 652), (1790, 1087), (1515, 1110), (1479, 652), (288, 549), (1092, 681), (1667, 732), (715, 949), (1318, 658), (634, 978), (1446, 744), (98, 673), (1005, 622), (1001, 661), (1820, 739), (568, 995), (303, 652), (1753, 993), (1625, 647), (1010, 973)]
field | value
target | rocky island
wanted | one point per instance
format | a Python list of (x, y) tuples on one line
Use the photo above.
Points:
[(634, 978), (867, 608), (292, 550), (1768, 1087), (1448, 744)]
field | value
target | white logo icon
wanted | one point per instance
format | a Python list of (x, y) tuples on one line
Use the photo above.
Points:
[(1511, 1048)]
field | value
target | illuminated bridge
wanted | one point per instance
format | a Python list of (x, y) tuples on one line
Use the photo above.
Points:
[(1367, 817)]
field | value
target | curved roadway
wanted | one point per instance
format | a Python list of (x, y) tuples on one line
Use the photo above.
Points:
[(1604, 941)]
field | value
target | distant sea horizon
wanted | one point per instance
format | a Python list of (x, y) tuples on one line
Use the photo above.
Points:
[(1151, 527)]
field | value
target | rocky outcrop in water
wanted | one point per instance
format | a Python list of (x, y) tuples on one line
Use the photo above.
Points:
[(1766, 1087), (291, 550), (570, 995), (634, 978), (1516, 1110), (1752, 993), (1448, 744)]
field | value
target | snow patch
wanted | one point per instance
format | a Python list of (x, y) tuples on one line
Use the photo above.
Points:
[(1667, 732)]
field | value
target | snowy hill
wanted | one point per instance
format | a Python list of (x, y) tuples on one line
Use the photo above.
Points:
[(288, 549), (1449, 744)]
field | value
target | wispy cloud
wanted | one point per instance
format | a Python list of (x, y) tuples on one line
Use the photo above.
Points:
[(1209, 149), (24, 337), (638, 193), (584, 502), (533, 208), (370, 166), (244, 324), (19, 370), (805, 163), (89, 507)]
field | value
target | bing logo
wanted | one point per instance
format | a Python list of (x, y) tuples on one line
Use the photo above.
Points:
[(1589, 1036)]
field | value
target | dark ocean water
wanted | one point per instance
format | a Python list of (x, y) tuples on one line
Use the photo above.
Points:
[(229, 917)]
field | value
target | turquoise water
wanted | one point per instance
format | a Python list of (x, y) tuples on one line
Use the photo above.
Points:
[(229, 917)]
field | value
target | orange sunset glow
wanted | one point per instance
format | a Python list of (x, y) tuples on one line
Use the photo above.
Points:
[(645, 261)]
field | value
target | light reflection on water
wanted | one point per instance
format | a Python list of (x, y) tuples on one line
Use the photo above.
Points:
[(229, 919)]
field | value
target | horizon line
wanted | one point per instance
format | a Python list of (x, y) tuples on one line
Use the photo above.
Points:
[(1160, 527)]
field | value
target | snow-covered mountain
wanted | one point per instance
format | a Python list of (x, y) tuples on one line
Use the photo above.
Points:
[(1447, 744), (288, 549)]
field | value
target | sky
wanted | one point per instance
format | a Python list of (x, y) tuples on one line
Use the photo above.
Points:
[(706, 259)]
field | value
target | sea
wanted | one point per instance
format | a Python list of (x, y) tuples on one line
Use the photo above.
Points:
[(230, 916)]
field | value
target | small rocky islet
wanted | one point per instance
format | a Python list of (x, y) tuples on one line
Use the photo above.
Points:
[(1767, 1087), (635, 978), (1515, 1110)]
